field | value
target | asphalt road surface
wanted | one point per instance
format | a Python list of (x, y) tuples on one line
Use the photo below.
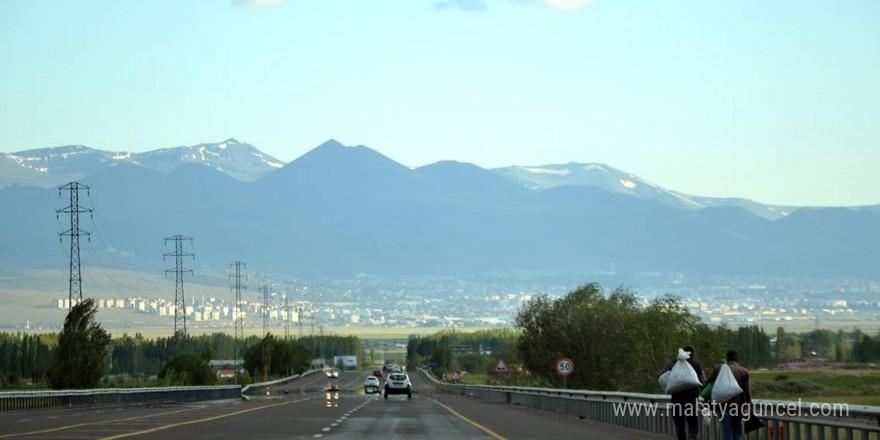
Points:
[(305, 409)]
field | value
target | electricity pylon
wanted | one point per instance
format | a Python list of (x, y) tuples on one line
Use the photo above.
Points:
[(265, 310), (286, 317), (75, 292), (179, 300), (236, 312)]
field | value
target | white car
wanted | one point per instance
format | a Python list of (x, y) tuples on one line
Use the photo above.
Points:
[(398, 383), (371, 384)]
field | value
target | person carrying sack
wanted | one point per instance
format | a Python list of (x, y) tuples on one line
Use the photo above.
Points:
[(685, 397), (731, 379)]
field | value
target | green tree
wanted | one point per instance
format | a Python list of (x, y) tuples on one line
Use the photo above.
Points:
[(842, 347), (819, 344), (79, 361), (275, 357), (615, 341), (189, 369)]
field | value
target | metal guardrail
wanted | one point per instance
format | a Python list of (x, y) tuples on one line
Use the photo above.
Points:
[(104, 397), (282, 381), (784, 420), (29, 400)]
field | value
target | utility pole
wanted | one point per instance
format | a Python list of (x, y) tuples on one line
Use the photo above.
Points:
[(265, 310), (179, 300), (299, 320), (236, 312), (75, 292)]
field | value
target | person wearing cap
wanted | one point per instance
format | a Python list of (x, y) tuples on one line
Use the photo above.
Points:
[(685, 403)]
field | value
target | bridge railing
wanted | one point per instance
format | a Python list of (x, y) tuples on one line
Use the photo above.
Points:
[(784, 420), (30, 400)]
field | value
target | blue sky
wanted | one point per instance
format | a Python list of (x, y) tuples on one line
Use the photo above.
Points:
[(776, 101)]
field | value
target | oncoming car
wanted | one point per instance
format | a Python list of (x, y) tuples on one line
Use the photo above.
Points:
[(398, 383), (371, 384)]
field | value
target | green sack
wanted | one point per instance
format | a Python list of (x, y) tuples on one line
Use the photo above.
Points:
[(707, 392)]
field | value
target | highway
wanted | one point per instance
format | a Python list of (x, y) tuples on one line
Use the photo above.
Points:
[(304, 409)]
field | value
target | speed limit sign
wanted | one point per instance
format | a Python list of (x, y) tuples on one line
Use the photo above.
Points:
[(564, 366)]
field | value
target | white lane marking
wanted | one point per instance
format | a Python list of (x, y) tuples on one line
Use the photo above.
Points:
[(318, 435), (325, 429), (24, 420)]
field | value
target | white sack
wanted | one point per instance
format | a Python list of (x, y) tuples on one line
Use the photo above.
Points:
[(663, 379), (725, 387), (682, 376)]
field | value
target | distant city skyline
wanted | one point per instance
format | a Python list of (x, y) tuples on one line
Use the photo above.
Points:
[(777, 102)]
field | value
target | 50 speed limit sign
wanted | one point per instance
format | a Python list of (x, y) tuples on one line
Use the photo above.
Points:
[(564, 366)]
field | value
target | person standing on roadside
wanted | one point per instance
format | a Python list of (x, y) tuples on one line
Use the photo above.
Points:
[(685, 403), (734, 409)]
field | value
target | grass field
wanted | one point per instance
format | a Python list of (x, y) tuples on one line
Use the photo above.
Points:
[(856, 386)]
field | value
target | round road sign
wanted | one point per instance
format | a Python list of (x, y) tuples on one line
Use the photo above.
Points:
[(564, 366)]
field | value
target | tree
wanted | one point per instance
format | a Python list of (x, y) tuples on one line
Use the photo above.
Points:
[(189, 369), (616, 343), (79, 361), (274, 357)]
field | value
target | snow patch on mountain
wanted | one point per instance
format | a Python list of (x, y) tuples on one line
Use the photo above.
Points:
[(563, 172), (266, 161), (629, 184), (594, 166)]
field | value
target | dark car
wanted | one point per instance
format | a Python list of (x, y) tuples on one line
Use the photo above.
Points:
[(398, 383), (377, 373)]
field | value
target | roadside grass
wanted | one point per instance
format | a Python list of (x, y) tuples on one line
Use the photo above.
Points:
[(834, 385), (853, 386), (474, 379)]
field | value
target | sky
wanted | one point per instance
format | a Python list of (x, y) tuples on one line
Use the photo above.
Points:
[(774, 101)]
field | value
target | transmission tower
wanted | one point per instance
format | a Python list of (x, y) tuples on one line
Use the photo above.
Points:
[(286, 317), (75, 293), (179, 301), (265, 310), (236, 312), (299, 320)]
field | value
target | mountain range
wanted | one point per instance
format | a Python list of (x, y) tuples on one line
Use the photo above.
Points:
[(345, 210), (47, 167)]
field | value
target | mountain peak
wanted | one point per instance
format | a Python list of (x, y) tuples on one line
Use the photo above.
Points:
[(330, 144)]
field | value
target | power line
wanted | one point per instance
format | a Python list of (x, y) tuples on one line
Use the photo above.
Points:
[(74, 232), (102, 230), (179, 300)]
